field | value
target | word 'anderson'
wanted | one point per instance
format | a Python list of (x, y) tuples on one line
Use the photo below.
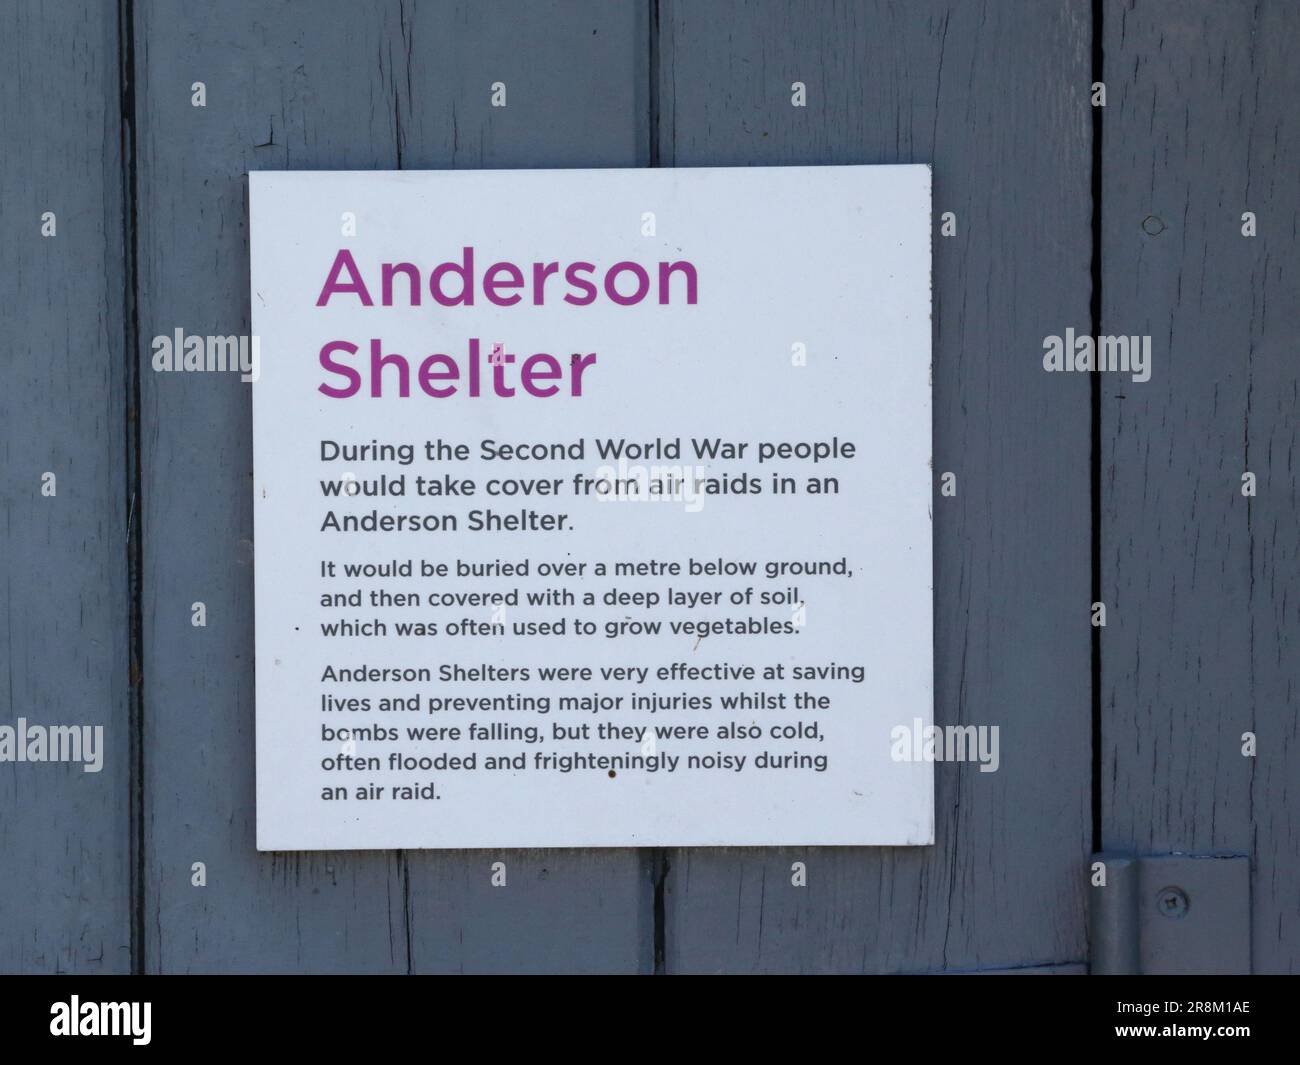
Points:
[(503, 284)]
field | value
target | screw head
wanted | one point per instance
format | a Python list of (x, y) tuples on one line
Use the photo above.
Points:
[(1153, 226), (1172, 902)]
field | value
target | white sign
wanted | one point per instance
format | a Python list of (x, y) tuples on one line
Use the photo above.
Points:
[(593, 508)]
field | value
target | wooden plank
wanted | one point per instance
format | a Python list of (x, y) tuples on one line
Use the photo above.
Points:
[(575, 76), (574, 98), (1203, 583), (282, 91), (327, 87), (996, 98), (64, 833)]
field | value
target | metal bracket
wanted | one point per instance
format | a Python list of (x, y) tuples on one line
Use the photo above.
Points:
[(1170, 913)]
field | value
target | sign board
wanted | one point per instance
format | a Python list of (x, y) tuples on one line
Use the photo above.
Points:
[(593, 507)]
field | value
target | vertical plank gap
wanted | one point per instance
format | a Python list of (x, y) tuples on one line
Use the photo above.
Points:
[(403, 863), (653, 124), (1098, 75), (659, 864), (658, 857), (134, 540)]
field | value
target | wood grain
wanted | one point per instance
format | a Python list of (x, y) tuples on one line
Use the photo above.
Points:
[(1203, 583), (576, 86), (350, 87), (64, 833), (995, 98)]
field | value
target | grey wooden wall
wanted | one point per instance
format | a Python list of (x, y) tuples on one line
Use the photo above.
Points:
[(1203, 644), (1123, 220)]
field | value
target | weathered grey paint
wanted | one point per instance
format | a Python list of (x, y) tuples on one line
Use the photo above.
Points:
[(352, 86), (1201, 583), (64, 847), (575, 75), (967, 87)]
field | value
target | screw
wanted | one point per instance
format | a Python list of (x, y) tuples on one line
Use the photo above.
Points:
[(1153, 226), (1172, 902)]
